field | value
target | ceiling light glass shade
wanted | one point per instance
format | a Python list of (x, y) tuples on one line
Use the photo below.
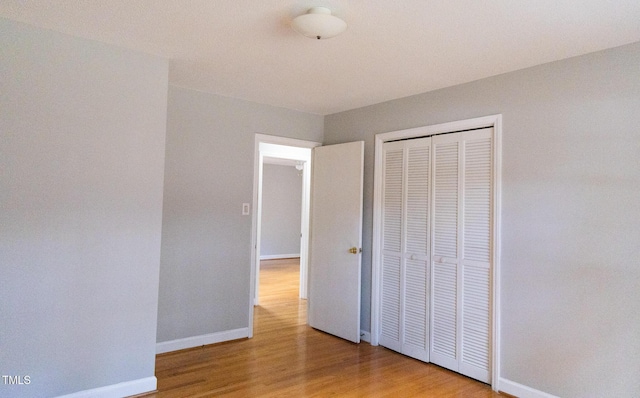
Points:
[(318, 23)]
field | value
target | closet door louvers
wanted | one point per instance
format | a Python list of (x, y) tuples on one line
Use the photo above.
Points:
[(417, 232), (405, 243), (476, 256), (436, 250), (391, 258), (461, 266), (444, 343)]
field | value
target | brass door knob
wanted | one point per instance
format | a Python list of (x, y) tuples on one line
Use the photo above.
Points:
[(354, 250)]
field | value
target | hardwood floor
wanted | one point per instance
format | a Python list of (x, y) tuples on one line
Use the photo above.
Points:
[(286, 358)]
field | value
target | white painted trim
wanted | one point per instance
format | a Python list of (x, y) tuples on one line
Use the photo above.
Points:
[(290, 153), (256, 242), (255, 219), (125, 389), (376, 247), (305, 216), (521, 391), (205, 339), (497, 244), (494, 121), (485, 121), (365, 336), (274, 139), (278, 256)]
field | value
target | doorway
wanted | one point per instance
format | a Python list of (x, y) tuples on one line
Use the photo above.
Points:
[(280, 150), (281, 210), (280, 305)]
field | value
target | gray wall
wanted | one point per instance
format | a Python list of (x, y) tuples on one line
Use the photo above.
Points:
[(206, 241), (281, 210), (82, 139), (570, 213), (82, 129)]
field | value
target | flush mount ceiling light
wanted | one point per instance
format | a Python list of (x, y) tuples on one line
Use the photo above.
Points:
[(318, 23)]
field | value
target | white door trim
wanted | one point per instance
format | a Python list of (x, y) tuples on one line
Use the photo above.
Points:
[(272, 147), (494, 121)]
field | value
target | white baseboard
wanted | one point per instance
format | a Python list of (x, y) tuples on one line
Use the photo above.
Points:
[(277, 256), (521, 391), (365, 336), (197, 341), (128, 388)]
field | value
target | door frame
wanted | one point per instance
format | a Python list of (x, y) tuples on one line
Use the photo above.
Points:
[(283, 148), (494, 121)]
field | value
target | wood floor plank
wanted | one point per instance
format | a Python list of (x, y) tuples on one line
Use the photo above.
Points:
[(287, 358)]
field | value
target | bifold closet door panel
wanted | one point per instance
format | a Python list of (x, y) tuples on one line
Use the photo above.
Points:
[(392, 225), (475, 329), (405, 244), (461, 260), (416, 264), (445, 228)]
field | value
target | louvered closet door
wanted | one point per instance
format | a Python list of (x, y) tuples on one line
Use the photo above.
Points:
[(461, 260), (405, 244), (392, 226), (416, 255), (444, 268)]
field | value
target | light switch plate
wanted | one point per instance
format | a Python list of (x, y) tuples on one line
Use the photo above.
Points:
[(245, 209)]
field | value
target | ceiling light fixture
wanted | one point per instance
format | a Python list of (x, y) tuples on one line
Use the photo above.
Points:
[(318, 23)]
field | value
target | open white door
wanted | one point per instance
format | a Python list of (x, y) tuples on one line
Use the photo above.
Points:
[(336, 240)]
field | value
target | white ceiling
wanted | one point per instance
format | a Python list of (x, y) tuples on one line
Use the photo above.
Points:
[(246, 49)]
